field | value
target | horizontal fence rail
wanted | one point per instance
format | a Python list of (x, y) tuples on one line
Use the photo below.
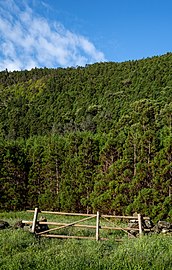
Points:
[(80, 225), (87, 215)]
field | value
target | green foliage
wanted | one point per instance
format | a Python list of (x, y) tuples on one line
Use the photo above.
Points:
[(82, 139)]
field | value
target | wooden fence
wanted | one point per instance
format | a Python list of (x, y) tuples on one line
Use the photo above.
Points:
[(85, 217)]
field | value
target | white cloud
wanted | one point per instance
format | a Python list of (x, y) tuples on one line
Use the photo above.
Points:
[(28, 40)]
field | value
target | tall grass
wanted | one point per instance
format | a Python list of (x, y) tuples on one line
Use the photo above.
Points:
[(20, 250)]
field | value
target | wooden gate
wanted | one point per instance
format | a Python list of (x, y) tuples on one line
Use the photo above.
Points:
[(84, 217)]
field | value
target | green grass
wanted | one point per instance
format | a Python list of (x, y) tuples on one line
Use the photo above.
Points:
[(21, 250)]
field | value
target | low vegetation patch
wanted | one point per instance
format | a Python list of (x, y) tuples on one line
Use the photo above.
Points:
[(20, 250)]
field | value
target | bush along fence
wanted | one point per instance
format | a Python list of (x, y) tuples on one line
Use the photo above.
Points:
[(136, 227)]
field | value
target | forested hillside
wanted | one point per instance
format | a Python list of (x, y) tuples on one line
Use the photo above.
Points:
[(88, 138)]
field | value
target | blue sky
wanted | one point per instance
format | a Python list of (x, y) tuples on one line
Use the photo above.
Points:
[(62, 33)]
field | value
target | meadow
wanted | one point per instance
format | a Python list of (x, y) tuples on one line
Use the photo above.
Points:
[(19, 249)]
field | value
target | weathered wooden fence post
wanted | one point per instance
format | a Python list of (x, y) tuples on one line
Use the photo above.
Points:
[(34, 220), (140, 224), (97, 226)]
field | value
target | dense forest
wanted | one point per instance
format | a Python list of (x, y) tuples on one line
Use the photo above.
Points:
[(88, 138)]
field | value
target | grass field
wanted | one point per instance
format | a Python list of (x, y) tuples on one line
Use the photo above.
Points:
[(20, 250)]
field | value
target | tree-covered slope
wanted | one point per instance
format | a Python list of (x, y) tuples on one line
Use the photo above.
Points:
[(44, 101), (87, 138)]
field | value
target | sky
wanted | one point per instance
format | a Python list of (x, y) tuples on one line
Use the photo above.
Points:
[(65, 33)]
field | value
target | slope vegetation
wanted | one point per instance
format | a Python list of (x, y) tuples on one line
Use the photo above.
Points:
[(88, 138)]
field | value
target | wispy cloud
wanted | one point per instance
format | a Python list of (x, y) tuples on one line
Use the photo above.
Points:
[(28, 40)]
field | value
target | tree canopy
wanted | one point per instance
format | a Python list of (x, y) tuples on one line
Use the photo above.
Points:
[(88, 138)]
